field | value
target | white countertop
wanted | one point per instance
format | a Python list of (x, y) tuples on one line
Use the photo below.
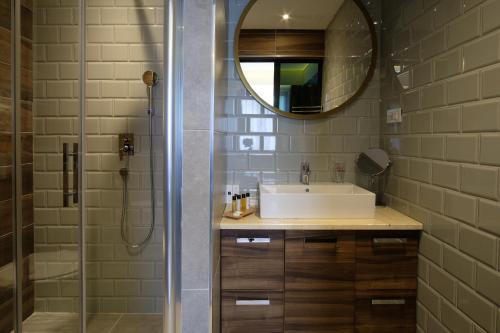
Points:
[(385, 219)]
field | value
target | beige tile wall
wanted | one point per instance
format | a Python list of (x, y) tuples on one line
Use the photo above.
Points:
[(124, 38), (264, 147), (446, 154)]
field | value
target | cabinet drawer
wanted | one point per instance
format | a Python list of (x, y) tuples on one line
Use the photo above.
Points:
[(250, 312), (319, 260), (386, 313), (386, 260), (319, 311), (252, 260)]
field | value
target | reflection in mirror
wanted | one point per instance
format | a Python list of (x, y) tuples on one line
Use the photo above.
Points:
[(303, 57)]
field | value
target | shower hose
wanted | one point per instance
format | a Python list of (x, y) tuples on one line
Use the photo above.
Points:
[(124, 175)]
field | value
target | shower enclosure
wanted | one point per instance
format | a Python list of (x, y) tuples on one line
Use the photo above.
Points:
[(88, 190)]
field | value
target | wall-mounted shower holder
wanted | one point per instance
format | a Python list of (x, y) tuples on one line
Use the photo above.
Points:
[(125, 145)]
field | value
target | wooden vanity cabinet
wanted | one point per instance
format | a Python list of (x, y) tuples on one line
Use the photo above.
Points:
[(252, 281), (318, 281)]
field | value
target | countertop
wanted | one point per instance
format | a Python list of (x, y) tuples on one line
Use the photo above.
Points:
[(385, 219)]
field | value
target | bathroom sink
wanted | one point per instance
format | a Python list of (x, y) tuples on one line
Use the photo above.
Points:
[(316, 201)]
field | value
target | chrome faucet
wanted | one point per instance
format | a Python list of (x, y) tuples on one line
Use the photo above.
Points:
[(305, 172)]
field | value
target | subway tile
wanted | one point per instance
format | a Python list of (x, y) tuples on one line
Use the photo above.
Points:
[(290, 126), (444, 229), (420, 170), (288, 162), (481, 181), (481, 117), (463, 29), (237, 161), (410, 146), (100, 34), (476, 307), (454, 319), (341, 126), (354, 144), (490, 147), (490, 82), (463, 89), (441, 281), (461, 207), (478, 244), (302, 144), (435, 326), (433, 44), (262, 161), (432, 147), (446, 120), (448, 64), (487, 283), (490, 15), (408, 190), (434, 95), (462, 148), (330, 144), (459, 265), (489, 212), (421, 74), (321, 126), (482, 52), (445, 11), (421, 122), (428, 297), (431, 198), (410, 101), (446, 175)]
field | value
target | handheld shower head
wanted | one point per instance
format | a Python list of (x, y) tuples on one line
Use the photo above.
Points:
[(150, 78)]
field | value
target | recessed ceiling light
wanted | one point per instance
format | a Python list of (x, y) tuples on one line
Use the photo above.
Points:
[(285, 16)]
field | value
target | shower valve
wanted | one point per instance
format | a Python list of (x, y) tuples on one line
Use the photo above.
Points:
[(126, 145)]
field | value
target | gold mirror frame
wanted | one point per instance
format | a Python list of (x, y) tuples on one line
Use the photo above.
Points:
[(320, 115)]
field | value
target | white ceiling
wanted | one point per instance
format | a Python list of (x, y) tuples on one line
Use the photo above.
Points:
[(304, 14)]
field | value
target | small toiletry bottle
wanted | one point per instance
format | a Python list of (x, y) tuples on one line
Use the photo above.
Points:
[(243, 202), (234, 204), (238, 203), (248, 201)]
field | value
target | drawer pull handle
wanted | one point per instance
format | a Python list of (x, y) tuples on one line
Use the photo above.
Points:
[(246, 240), (382, 241), (312, 240), (253, 302), (388, 301)]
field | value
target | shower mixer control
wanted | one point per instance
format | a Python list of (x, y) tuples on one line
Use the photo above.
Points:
[(126, 145)]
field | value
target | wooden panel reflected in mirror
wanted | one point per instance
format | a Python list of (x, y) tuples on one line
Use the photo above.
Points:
[(305, 59)]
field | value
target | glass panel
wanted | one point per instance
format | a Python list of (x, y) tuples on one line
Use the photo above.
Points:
[(50, 74), (123, 228), (260, 76), (6, 180)]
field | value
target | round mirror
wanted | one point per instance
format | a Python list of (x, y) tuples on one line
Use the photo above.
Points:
[(304, 59), (373, 162)]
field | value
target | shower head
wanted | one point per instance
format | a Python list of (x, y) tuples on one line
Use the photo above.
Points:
[(150, 78)]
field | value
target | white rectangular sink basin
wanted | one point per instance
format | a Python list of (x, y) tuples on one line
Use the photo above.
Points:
[(316, 201)]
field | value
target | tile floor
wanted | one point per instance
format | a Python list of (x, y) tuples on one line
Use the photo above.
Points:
[(41, 322)]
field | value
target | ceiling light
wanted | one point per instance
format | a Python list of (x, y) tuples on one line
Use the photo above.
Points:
[(285, 16)]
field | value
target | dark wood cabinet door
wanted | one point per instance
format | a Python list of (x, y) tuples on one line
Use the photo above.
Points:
[(252, 312), (319, 281), (386, 312), (252, 260), (386, 260)]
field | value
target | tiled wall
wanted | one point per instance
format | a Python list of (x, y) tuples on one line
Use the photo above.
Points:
[(197, 169), (6, 164), (124, 38), (447, 154), (264, 147), (347, 35)]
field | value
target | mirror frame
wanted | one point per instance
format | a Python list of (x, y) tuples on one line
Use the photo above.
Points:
[(361, 89)]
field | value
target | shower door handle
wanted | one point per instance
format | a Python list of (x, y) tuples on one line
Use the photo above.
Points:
[(66, 192)]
